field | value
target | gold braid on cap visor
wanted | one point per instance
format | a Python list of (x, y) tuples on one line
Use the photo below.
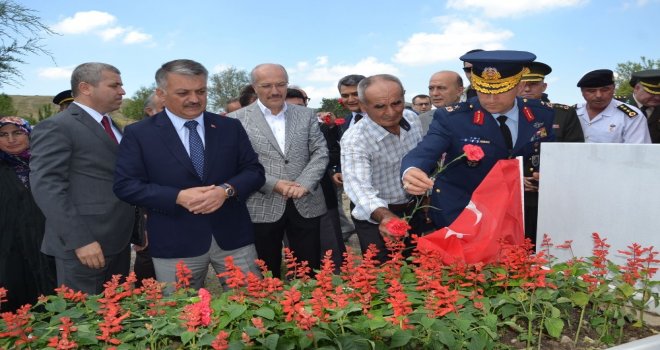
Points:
[(533, 77), (490, 81), (653, 89)]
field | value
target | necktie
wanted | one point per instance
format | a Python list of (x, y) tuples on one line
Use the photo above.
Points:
[(506, 132), (105, 121), (358, 117), (196, 147)]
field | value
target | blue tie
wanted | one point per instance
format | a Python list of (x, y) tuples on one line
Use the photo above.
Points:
[(196, 147)]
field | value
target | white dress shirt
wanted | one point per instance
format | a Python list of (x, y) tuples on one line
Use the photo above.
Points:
[(277, 123), (98, 117), (183, 131)]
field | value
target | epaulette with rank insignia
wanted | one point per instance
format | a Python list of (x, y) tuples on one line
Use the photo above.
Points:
[(537, 103), (560, 106), (627, 110), (462, 106)]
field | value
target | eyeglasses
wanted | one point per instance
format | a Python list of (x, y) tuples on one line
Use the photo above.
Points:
[(15, 133), (280, 85)]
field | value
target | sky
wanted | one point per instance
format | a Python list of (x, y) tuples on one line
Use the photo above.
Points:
[(321, 41)]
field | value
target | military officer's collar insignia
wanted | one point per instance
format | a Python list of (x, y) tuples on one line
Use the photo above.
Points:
[(478, 117), (528, 114), (627, 110), (537, 125)]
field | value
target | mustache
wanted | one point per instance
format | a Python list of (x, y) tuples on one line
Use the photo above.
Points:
[(192, 104)]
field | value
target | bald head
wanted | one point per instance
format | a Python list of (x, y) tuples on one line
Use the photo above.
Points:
[(445, 88)]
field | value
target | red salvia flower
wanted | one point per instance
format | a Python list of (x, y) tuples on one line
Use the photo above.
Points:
[(294, 269), (17, 325), (183, 275), (234, 277), (153, 294), (71, 295), (3, 295), (220, 341), (258, 323), (64, 342), (401, 307)]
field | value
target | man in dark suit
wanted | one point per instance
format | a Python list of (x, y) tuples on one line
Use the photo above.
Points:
[(646, 96), (501, 124), (192, 170), (73, 158), (294, 154)]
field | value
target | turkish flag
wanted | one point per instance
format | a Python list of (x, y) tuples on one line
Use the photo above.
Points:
[(493, 215)]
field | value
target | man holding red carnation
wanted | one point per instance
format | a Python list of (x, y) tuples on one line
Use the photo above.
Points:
[(371, 152), (501, 124)]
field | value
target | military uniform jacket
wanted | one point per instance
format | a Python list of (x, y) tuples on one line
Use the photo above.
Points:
[(653, 119), (617, 123), (468, 123)]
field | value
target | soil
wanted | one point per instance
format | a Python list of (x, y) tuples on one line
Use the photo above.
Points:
[(588, 336)]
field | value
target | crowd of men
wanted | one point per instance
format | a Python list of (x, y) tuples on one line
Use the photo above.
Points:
[(185, 184)]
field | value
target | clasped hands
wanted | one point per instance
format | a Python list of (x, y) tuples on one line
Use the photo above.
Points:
[(202, 200), (290, 189)]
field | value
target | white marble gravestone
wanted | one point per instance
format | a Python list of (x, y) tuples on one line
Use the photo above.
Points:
[(612, 189)]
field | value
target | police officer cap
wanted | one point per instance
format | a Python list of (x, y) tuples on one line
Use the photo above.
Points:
[(497, 71), (62, 97), (597, 78), (650, 80), (537, 71)]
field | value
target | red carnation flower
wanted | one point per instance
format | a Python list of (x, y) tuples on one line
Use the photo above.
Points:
[(473, 153), (340, 121), (397, 227)]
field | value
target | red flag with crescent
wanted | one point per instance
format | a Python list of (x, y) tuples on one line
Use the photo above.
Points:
[(493, 215)]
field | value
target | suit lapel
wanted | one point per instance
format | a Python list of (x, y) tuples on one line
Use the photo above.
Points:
[(254, 112), (173, 142), (95, 128)]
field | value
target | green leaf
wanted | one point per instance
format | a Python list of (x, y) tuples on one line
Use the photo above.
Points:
[(554, 312), (554, 326), (57, 305), (580, 299), (271, 341), (376, 323), (187, 337), (562, 300), (478, 341), (447, 337), (353, 342), (426, 322), (266, 313), (626, 289), (400, 338), (233, 312)]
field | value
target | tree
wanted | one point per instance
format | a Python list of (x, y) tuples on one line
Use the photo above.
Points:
[(7, 105), (333, 105), (45, 111), (226, 85), (133, 108), (21, 32), (625, 70)]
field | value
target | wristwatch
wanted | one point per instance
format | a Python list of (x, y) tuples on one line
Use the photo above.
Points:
[(229, 190)]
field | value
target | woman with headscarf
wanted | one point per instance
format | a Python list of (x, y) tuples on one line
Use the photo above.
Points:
[(25, 272)]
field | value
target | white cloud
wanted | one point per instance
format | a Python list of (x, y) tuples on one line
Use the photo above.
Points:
[(55, 72), (111, 33), (319, 79), (511, 8), (82, 22), (321, 71), (136, 37), (428, 48)]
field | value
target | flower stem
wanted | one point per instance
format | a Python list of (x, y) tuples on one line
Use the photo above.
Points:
[(577, 333)]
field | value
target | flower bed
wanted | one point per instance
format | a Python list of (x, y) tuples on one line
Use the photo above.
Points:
[(411, 304)]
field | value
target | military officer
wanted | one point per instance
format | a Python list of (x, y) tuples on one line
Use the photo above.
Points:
[(63, 99), (503, 125), (566, 127), (604, 119), (646, 97)]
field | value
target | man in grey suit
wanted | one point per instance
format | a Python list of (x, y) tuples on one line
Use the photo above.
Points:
[(295, 155), (72, 168)]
